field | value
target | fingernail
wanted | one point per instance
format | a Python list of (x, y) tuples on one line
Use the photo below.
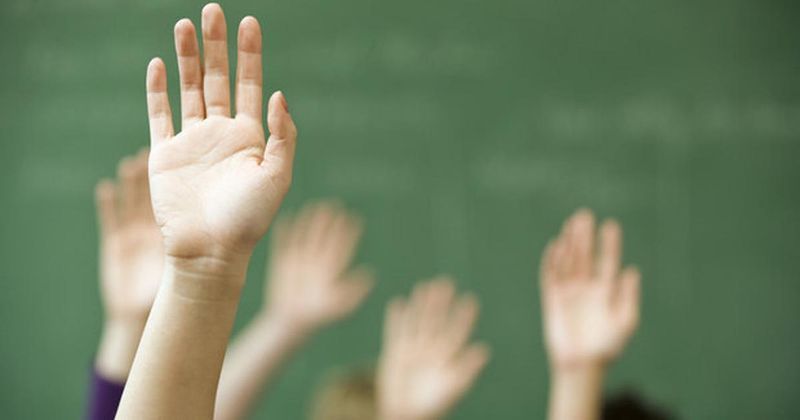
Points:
[(283, 101)]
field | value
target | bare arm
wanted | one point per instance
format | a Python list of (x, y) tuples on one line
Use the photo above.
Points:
[(309, 286), (253, 361), (590, 312), (177, 366), (215, 188)]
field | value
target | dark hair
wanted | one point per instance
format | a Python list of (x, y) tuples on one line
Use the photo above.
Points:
[(629, 405)]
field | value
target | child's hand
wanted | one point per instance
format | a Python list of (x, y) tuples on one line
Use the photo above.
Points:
[(590, 308), (427, 363), (215, 188), (131, 254), (310, 283), (131, 261), (216, 185)]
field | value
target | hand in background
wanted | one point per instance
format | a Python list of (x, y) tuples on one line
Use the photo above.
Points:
[(309, 285), (131, 262), (217, 184), (590, 308), (590, 312), (427, 362)]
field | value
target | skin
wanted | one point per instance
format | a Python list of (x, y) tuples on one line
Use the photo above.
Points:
[(428, 363), (590, 311), (309, 286), (131, 262), (215, 187)]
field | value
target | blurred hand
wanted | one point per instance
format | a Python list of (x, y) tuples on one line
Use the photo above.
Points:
[(216, 185), (309, 285), (427, 363), (131, 254), (590, 308), (131, 264)]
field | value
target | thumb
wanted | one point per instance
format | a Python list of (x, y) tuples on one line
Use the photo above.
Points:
[(106, 202)]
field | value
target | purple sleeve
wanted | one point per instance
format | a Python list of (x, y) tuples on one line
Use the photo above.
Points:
[(104, 396)]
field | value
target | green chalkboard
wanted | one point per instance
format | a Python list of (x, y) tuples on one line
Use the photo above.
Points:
[(463, 131)]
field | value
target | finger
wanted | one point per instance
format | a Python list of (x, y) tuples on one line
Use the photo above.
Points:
[(126, 174), (463, 321), (191, 74), (341, 243), (297, 230), (249, 84), (470, 364), (416, 310), (141, 187), (279, 153), (567, 264), (561, 261), (582, 233), (319, 224), (430, 315), (547, 264), (439, 302), (356, 287), (628, 297), (106, 202), (216, 85), (158, 110), (279, 241), (394, 327), (610, 252)]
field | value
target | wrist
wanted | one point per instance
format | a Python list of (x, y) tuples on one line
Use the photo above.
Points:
[(210, 278), (578, 366), (575, 376)]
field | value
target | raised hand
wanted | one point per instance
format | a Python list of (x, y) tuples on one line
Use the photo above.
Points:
[(215, 187), (427, 363), (131, 263), (217, 184), (590, 308), (310, 284)]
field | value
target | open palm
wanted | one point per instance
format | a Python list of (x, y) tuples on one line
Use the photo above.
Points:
[(590, 309), (310, 281), (427, 363), (217, 184), (131, 254)]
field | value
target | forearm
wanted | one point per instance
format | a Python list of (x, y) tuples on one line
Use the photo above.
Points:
[(117, 348), (176, 369), (253, 362), (576, 392)]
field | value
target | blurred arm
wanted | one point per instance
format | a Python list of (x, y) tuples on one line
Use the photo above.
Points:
[(117, 348), (576, 392), (252, 362)]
